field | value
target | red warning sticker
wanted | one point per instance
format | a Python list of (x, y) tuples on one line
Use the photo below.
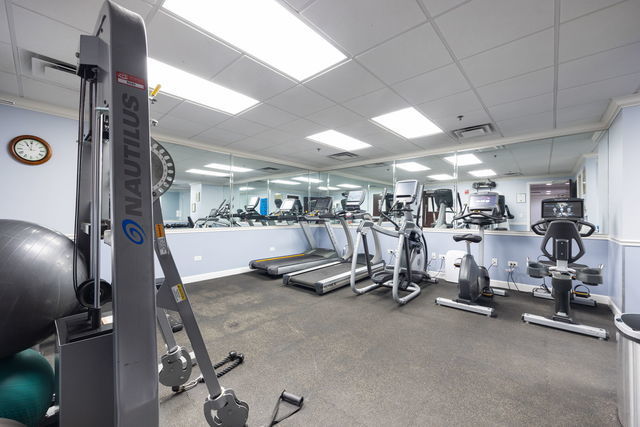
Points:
[(129, 80)]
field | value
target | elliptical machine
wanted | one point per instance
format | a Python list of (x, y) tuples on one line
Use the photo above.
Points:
[(473, 279), (562, 224), (409, 269)]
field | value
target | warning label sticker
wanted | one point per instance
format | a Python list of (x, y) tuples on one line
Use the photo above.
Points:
[(129, 80), (179, 293)]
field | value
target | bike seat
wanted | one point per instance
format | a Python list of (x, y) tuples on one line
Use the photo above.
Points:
[(473, 238)]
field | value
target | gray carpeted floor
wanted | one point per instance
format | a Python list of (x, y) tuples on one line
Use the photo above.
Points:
[(364, 361)]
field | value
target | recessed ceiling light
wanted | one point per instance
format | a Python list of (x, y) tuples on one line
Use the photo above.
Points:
[(338, 140), (284, 181), (306, 179), (482, 173), (224, 167), (549, 183), (185, 85), (548, 192), (408, 122), (349, 186), (204, 172), (246, 188), (441, 177), (265, 30), (413, 167), (328, 188), (463, 159)]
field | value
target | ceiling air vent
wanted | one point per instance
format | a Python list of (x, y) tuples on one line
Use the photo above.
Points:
[(268, 169), (474, 131), (511, 173), (375, 165), (345, 155)]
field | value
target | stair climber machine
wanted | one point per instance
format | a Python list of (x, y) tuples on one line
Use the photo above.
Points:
[(473, 278), (314, 256), (106, 363), (409, 269), (562, 226), (337, 274)]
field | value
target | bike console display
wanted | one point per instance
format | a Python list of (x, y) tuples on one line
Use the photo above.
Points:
[(563, 209), (484, 202)]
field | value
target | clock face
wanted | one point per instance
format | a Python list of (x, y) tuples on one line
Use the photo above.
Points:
[(30, 149)]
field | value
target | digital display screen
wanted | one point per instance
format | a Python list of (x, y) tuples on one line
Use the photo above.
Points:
[(323, 204), (254, 201), (287, 204), (570, 209), (483, 201), (406, 189), (355, 196)]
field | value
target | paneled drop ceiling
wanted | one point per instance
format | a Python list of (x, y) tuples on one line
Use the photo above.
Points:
[(523, 65)]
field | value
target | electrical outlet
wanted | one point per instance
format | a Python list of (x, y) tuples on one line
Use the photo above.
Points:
[(494, 262), (434, 255), (513, 264), (197, 258)]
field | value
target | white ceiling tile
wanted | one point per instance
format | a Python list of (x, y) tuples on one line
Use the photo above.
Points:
[(435, 141), (433, 85), (61, 41), (522, 107), (252, 145), (477, 26), (414, 52), (180, 128), (436, 7), (599, 91), (606, 29), (50, 94), (587, 113), (219, 136), (604, 65), (451, 106), (359, 24), (5, 36), (275, 135), (176, 43), (198, 114), (387, 140), (519, 57), (376, 103), (164, 103), (242, 126), (570, 9), (282, 149), (470, 118), (302, 128), (522, 125), (345, 82), (8, 83), (81, 14), (253, 79), (361, 129), (528, 85), (268, 115), (6, 58), (334, 117), (300, 101)]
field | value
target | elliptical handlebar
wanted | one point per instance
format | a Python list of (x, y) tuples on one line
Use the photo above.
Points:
[(475, 214)]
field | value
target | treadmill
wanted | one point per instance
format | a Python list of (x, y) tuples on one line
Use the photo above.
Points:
[(337, 274), (314, 256)]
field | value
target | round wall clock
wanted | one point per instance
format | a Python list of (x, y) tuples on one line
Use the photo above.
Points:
[(30, 149)]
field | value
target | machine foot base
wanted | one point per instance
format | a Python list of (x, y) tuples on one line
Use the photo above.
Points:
[(575, 300), (571, 327), (479, 309)]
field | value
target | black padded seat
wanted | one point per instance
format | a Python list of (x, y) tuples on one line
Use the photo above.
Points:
[(473, 238)]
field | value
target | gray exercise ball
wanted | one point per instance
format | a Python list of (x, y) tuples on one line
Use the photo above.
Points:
[(36, 283)]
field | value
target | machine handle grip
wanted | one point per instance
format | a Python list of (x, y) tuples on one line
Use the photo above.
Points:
[(291, 398), (591, 227), (540, 227)]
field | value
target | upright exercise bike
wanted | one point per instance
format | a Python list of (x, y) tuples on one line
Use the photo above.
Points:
[(473, 279), (562, 224)]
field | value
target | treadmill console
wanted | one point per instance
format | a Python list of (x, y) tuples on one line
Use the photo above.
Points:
[(323, 204), (253, 204), (406, 191), (563, 209), (443, 195), (355, 199), (287, 205)]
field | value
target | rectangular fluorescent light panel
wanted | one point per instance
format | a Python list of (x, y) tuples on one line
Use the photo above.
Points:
[(464, 159), (204, 172), (338, 140), (246, 188), (349, 186), (224, 167), (284, 181), (412, 167), (408, 122), (264, 29), (441, 177), (328, 188), (185, 85), (306, 179), (482, 173)]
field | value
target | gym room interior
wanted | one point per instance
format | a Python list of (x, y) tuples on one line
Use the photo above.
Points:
[(319, 213)]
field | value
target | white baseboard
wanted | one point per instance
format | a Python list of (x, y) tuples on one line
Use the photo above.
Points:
[(215, 275)]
